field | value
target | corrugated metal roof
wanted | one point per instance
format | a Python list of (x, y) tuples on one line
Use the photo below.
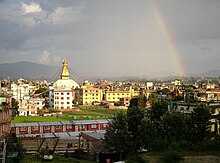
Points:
[(49, 123), (102, 121), (82, 122), (48, 135), (74, 134), (44, 135), (96, 135), (66, 122), (25, 124), (62, 134)]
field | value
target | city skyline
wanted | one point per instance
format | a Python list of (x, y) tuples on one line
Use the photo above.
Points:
[(135, 38)]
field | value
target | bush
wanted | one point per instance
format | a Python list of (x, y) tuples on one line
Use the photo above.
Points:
[(213, 145), (158, 144), (171, 157), (135, 159)]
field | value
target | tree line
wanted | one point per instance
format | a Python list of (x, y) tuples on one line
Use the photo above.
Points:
[(158, 128)]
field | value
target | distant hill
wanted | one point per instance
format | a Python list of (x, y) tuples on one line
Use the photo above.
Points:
[(28, 70), (212, 73), (31, 70)]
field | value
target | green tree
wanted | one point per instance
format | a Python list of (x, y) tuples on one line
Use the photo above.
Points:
[(117, 137), (152, 98), (146, 132), (139, 101), (165, 91), (14, 144), (134, 117), (174, 126), (159, 108), (44, 92), (199, 124), (15, 106)]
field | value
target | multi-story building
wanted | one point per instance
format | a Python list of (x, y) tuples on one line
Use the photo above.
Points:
[(22, 89), (115, 96), (62, 93), (88, 95), (5, 114)]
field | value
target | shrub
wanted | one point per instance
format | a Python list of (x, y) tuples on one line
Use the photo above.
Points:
[(171, 157)]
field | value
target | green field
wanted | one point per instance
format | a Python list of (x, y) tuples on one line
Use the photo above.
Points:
[(88, 112)]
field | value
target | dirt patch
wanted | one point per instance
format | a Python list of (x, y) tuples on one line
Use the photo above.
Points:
[(187, 159), (201, 159)]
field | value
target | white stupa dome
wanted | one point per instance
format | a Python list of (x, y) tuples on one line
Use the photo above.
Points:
[(65, 82)]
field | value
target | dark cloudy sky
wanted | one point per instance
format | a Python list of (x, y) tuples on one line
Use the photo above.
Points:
[(112, 37)]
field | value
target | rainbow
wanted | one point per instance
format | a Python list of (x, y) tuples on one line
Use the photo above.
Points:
[(167, 35)]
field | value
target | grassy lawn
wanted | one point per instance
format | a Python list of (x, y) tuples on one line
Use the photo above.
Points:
[(88, 112), (22, 119)]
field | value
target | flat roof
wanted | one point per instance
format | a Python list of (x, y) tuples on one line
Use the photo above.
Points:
[(49, 123), (25, 124), (82, 122)]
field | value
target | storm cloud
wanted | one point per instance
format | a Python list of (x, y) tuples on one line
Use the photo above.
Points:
[(112, 38)]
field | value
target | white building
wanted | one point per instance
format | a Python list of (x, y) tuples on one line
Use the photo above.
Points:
[(22, 90), (62, 93)]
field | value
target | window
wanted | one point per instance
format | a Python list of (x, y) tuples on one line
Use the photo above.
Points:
[(69, 126), (68, 93), (93, 126), (58, 127), (62, 103), (105, 125), (61, 98), (68, 98), (23, 128), (61, 93), (46, 127), (68, 102), (35, 128)]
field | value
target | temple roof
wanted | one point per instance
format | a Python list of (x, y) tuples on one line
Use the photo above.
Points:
[(65, 71)]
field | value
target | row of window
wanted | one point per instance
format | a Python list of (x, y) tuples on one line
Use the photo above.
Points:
[(121, 94), (91, 98), (62, 93), (57, 107), (92, 94), (91, 90), (62, 98), (62, 103)]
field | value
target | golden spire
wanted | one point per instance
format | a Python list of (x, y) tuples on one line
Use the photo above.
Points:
[(65, 72)]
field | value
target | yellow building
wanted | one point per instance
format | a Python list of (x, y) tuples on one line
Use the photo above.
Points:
[(87, 95), (115, 96)]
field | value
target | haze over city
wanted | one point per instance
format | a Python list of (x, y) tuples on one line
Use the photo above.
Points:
[(113, 38)]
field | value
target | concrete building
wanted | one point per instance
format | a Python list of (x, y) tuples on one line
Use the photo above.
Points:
[(88, 95), (115, 96), (21, 90), (62, 93), (5, 114)]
